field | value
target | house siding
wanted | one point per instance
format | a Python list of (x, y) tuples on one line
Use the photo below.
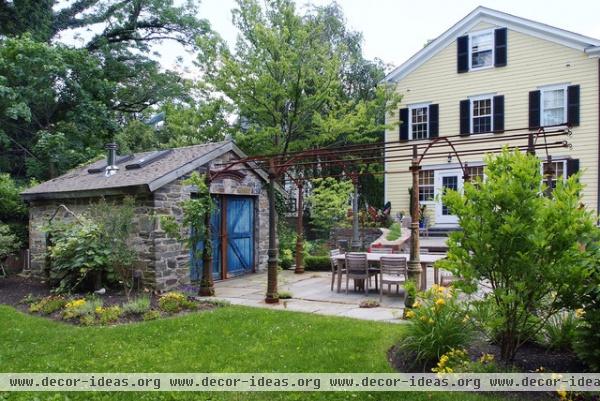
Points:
[(532, 62)]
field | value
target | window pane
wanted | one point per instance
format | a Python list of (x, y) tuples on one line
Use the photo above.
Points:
[(553, 116), (554, 98), (426, 192), (482, 115), (481, 50), (419, 123), (553, 107)]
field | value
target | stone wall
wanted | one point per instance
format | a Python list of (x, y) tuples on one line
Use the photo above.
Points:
[(366, 235), (163, 261)]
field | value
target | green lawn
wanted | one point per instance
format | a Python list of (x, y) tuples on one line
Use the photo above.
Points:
[(230, 339)]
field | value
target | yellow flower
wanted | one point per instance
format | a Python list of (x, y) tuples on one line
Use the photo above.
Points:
[(424, 318), (409, 314), (416, 304), (440, 302), (579, 313), (76, 303), (465, 319), (485, 358), (562, 393), (431, 321), (99, 310)]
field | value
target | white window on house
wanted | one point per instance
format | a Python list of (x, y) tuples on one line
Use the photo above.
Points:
[(419, 122), (475, 173), (557, 170), (553, 106), (481, 115), (426, 186), (481, 49)]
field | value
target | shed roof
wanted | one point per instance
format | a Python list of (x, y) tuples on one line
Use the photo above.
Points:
[(176, 163)]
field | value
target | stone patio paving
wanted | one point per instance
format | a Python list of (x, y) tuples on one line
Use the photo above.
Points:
[(312, 293)]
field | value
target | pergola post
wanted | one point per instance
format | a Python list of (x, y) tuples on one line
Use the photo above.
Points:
[(300, 230), (207, 285), (272, 296), (414, 263), (356, 243)]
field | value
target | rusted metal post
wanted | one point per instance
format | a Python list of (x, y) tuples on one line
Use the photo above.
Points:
[(207, 284), (414, 263), (356, 243), (300, 230), (272, 294), (530, 144)]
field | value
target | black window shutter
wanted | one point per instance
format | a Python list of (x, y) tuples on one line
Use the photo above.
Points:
[(572, 166), (404, 124), (498, 113), (534, 109), (573, 105), (465, 117), (434, 120), (500, 47), (462, 54)]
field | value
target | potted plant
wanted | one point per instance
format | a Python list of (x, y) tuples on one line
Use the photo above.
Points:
[(422, 216)]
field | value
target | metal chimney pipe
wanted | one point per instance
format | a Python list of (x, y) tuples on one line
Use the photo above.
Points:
[(111, 159)]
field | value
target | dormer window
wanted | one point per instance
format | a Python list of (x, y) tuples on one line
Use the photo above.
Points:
[(481, 49)]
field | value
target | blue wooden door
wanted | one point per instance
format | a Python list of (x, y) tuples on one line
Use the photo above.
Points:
[(215, 226), (240, 235)]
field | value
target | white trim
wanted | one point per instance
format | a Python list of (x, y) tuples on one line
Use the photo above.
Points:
[(412, 107), (471, 116), (489, 31), (591, 46), (547, 88)]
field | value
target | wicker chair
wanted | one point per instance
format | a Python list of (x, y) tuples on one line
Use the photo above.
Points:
[(357, 268), (393, 272)]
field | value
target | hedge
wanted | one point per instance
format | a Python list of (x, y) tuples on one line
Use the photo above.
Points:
[(317, 263)]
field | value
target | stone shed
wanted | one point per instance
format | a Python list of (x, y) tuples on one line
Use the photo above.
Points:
[(154, 180)]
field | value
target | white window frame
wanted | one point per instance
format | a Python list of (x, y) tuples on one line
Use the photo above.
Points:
[(411, 107), (432, 200), (564, 169), (477, 33), (473, 99), (548, 88)]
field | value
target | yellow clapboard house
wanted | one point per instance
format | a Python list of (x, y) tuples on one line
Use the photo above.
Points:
[(494, 74)]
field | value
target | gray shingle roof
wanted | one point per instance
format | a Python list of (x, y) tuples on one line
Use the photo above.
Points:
[(175, 164)]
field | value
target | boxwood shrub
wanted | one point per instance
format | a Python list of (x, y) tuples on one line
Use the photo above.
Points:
[(317, 263)]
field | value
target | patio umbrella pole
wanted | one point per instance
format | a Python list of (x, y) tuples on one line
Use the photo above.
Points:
[(414, 263), (272, 295)]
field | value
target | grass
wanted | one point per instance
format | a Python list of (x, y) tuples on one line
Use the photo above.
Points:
[(231, 339)]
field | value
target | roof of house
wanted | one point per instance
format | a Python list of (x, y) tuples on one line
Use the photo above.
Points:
[(591, 46), (177, 162)]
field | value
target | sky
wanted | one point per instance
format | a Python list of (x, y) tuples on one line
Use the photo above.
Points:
[(393, 30)]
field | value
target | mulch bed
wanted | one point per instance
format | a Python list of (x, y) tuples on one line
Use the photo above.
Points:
[(14, 289)]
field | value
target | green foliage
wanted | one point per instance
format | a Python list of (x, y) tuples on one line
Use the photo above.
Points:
[(83, 310), (587, 338), (93, 245), (107, 315), (558, 333), (137, 306), (316, 248), (151, 315), (173, 302), (317, 263), (531, 249), (438, 324), (395, 232), (48, 305), (329, 202), (13, 211), (287, 258), (9, 243), (458, 361)]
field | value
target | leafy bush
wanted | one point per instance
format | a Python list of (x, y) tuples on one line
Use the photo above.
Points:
[(587, 338), (558, 332), (13, 210), (151, 315), (531, 248), (82, 309), (48, 305), (9, 243), (173, 302), (329, 202), (395, 232), (137, 306), (109, 314), (317, 263), (457, 361), (438, 324), (316, 248), (286, 259)]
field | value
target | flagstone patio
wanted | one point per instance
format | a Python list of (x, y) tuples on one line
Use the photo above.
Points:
[(311, 292)]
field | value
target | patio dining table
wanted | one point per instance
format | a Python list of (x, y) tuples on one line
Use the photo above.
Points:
[(425, 259)]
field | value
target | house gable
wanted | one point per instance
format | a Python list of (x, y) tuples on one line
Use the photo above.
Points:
[(482, 18)]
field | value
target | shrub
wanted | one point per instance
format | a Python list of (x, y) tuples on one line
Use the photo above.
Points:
[(137, 306), (458, 361), (530, 247), (558, 332), (395, 232), (317, 263), (329, 202), (151, 315), (82, 309), (587, 338), (438, 323), (173, 302), (109, 314), (286, 259), (48, 305), (9, 243)]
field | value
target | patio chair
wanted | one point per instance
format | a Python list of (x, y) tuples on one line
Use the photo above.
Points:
[(382, 250), (334, 271), (393, 272), (357, 268)]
